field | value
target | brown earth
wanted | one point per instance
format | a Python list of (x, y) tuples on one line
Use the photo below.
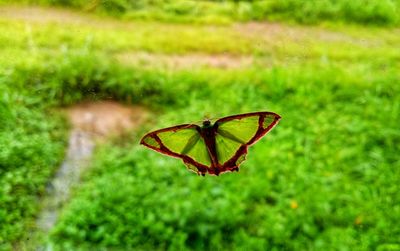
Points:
[(105, 118), (224, 61), (42, 15)]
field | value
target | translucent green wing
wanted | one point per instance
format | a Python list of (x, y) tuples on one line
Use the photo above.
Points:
[(183, 141), (226, 148), (236, 133)]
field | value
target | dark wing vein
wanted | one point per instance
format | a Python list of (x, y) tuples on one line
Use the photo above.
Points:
[(191, 143)]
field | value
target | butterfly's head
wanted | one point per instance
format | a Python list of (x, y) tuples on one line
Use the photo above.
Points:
[(206, 123)]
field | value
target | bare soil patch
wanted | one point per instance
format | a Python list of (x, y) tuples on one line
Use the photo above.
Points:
[(105, 118), (282, 33), (224, 61), (43, 15)]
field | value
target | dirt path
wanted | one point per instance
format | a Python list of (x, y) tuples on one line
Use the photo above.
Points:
[(270, 35), (184, 61), (45, 15), (30, 14), (91, 122)]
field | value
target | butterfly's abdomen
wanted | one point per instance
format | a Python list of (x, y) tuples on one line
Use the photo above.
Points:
[(208, 134)]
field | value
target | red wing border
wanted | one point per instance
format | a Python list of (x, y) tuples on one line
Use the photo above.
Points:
[(233, 163), (164, 150)]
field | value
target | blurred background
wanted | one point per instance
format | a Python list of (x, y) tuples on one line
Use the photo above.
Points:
[(82, 81)]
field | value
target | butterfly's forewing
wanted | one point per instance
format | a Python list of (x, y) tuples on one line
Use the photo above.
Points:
[(183, 142), (236, 133)]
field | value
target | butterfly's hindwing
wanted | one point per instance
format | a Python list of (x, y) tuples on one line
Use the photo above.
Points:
[(183, 142)]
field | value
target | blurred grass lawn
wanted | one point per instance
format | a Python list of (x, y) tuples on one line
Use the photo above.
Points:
[(326, 178)]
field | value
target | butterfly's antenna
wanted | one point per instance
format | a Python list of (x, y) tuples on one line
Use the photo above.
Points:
[(208, 117), (189, 125), (198, 122), (201, 121)]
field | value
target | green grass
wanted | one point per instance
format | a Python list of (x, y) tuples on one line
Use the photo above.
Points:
[(326, 178), (276, 43), (333, 154), (31, 147)]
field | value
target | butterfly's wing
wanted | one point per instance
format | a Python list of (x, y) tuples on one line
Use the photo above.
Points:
[(182, 141), (234, 134)]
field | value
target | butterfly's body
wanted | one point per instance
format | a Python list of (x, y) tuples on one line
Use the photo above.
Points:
[(212, 148), (208, 132)]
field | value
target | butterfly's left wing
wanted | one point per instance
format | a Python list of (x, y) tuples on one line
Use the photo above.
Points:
[(182, 141), (234, 134)]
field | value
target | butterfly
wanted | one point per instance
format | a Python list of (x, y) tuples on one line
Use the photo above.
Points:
[(212, 148)]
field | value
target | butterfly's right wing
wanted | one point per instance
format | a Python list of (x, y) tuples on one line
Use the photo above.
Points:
[(182, 141), (236, 133)]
